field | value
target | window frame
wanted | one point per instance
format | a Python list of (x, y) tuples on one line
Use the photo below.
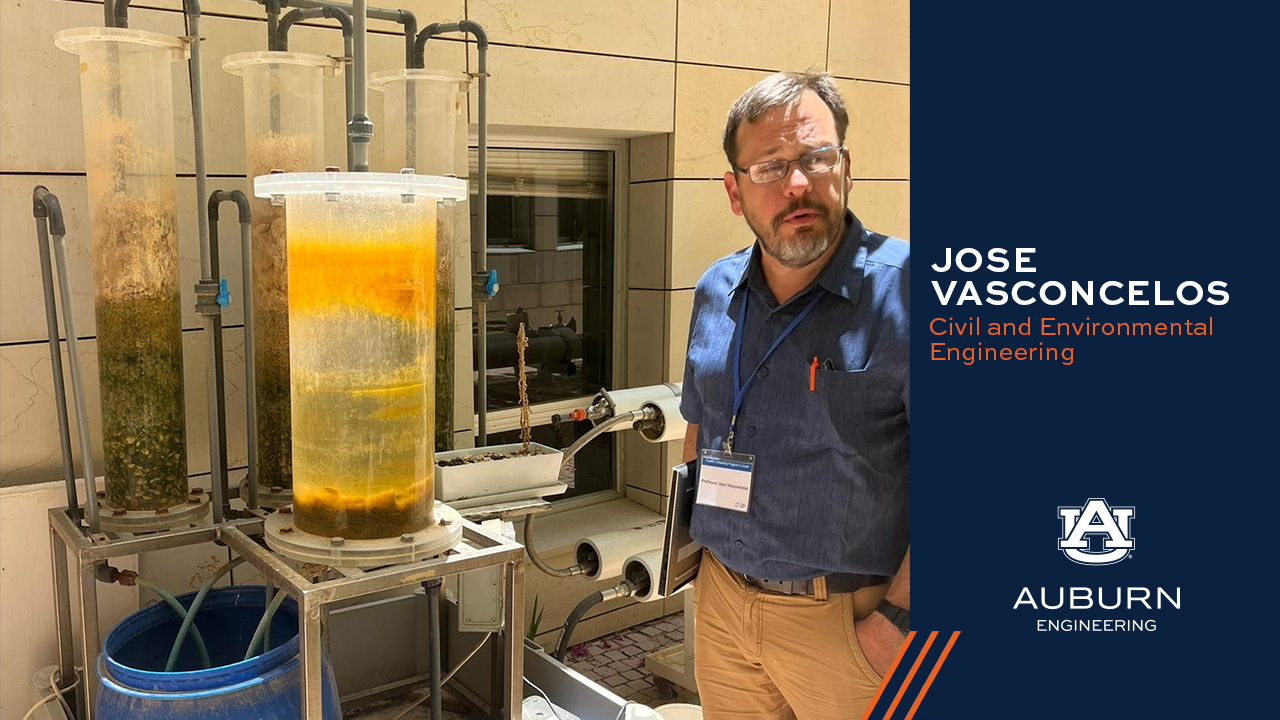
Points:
[(540, 413)]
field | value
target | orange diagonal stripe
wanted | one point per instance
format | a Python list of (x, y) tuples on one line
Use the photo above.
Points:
[(928, 681), (901, 651), (910, 674)]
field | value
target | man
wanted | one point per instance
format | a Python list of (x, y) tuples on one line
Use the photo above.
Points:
[(797, 394)]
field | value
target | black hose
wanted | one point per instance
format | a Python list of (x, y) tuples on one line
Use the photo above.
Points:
[(572, 621)]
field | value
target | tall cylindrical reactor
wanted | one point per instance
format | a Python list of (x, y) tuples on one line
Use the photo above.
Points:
[(126, 95), (283, 132), (362, 250), (422, 108)]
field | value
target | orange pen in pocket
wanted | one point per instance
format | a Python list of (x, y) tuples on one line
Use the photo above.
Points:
[(813, 374)]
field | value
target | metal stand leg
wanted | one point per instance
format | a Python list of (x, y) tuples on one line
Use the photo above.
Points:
[(433, 623), (496, 677), (90, 640), (513, 637), (309, 651), (62, 614)]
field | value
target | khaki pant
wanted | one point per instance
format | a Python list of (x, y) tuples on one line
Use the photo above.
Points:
[(762, 655)]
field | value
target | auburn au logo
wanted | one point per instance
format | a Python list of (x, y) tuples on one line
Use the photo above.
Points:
[(1096, 518)]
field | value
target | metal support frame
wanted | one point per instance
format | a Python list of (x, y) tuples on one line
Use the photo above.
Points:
[(478, 549), (88, 549)]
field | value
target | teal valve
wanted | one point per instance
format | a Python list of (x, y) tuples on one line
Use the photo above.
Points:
[(491, 284), (224, 295)]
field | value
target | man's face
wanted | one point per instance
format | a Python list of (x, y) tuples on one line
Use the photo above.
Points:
[(799, 217)]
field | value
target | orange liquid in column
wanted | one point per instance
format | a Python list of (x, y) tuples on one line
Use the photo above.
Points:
[(361, 318)]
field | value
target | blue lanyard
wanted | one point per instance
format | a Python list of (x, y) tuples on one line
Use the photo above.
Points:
[(740, 388)]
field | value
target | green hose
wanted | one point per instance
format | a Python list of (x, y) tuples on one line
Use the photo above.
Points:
[(266, 637), (191, 614), (182, 613), (264, 623)]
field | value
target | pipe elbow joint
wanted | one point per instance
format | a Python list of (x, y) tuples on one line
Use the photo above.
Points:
[(342, 16), (242, 206), (473, 27), (46, 204)]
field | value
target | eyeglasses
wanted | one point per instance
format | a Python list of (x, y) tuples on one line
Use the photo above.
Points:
[(811, 163)]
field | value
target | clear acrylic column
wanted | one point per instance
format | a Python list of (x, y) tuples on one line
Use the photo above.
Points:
[(284, 132), (362, 247), (421, 111), (126, 95)]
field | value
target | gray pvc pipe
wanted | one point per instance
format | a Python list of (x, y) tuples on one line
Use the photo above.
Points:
[(479, 243), (279, 40), (213, 329), (77, 385), (360, 127), (250, 370), (122, 13), (191, 9), (246, 262), (373, 12), (42, 199), (348, 49), (433, 654)]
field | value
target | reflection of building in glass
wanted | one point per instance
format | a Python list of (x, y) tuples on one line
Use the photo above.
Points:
[(551, 241)]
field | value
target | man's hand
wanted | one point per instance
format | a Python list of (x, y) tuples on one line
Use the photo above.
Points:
[(880, 640)]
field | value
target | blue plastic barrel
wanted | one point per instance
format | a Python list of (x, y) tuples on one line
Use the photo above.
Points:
[(134, 686)]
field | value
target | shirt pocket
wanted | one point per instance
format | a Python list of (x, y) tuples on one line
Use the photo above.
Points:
[(836, 409)]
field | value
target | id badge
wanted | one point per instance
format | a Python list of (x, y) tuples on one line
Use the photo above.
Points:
[(724, 479)]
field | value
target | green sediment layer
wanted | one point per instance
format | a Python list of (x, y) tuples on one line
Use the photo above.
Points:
[(275, 428), (444, 380), (271, 338), (444, 331), (143, 418)]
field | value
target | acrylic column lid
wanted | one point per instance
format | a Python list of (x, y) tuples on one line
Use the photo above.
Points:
[(238, 63), (380, 80), (313, 183), (71, 40)]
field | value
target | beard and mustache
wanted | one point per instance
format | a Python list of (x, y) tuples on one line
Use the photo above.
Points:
[(805, 244)]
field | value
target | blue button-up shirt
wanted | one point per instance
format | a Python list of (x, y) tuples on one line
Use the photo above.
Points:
[(831, 487)]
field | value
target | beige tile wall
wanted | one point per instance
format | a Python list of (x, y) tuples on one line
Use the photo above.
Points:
[(635, 28), (761, 34), (662, 73), (870, 39)]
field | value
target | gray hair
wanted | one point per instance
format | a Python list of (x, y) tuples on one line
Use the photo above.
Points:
[(782, 89)]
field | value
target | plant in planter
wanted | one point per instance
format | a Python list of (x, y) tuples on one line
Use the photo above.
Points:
[(500, 473), (535, 620)]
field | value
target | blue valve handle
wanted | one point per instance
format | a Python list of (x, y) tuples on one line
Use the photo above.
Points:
[(224, 295), (491, 285)]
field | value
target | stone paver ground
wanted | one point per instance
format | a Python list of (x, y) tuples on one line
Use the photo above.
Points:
[(617, 661)]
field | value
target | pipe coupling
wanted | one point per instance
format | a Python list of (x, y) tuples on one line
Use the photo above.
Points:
[(211, 297), (621, 590), (360, 129)]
